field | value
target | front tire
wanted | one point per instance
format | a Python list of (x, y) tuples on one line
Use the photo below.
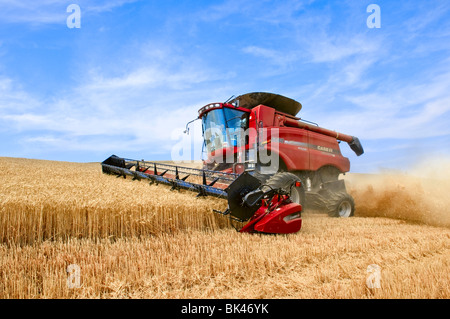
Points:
[(284, 180)]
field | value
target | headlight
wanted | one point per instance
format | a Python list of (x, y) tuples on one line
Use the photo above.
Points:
[(293, 216)]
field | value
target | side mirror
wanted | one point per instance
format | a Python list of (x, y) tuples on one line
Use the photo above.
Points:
[(186, 131)]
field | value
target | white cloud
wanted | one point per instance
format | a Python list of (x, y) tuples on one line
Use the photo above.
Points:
[(278, 58), (140, 109), (13, 99), (326, 48), (238, 12), (424, 17), (44, 12), (103, 6), (400, 111)]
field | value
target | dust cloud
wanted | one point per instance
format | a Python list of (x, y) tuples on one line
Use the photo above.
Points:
[(421, 194)]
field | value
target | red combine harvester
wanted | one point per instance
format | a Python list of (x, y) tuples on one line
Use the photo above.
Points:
[(268, 163)]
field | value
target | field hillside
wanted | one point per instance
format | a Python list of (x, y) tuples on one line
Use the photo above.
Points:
[(133, 240)]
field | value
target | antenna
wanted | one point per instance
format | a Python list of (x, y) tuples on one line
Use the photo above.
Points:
[(229, 99)]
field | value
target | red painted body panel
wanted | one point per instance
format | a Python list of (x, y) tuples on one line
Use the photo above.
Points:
[(275, 221), (301, 146), (324, 151)]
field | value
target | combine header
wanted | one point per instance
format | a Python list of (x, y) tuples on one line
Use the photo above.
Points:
[(269, 210), (268, 163)]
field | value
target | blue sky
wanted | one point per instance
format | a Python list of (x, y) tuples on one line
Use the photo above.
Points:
[(130, 78)]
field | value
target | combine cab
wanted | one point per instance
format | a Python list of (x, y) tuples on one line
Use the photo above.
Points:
[(267, 162)]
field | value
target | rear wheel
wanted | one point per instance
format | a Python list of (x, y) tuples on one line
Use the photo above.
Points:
[(284, 180), (341, 205)]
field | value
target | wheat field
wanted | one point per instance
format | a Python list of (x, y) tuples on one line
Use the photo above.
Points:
[(133, 240)]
